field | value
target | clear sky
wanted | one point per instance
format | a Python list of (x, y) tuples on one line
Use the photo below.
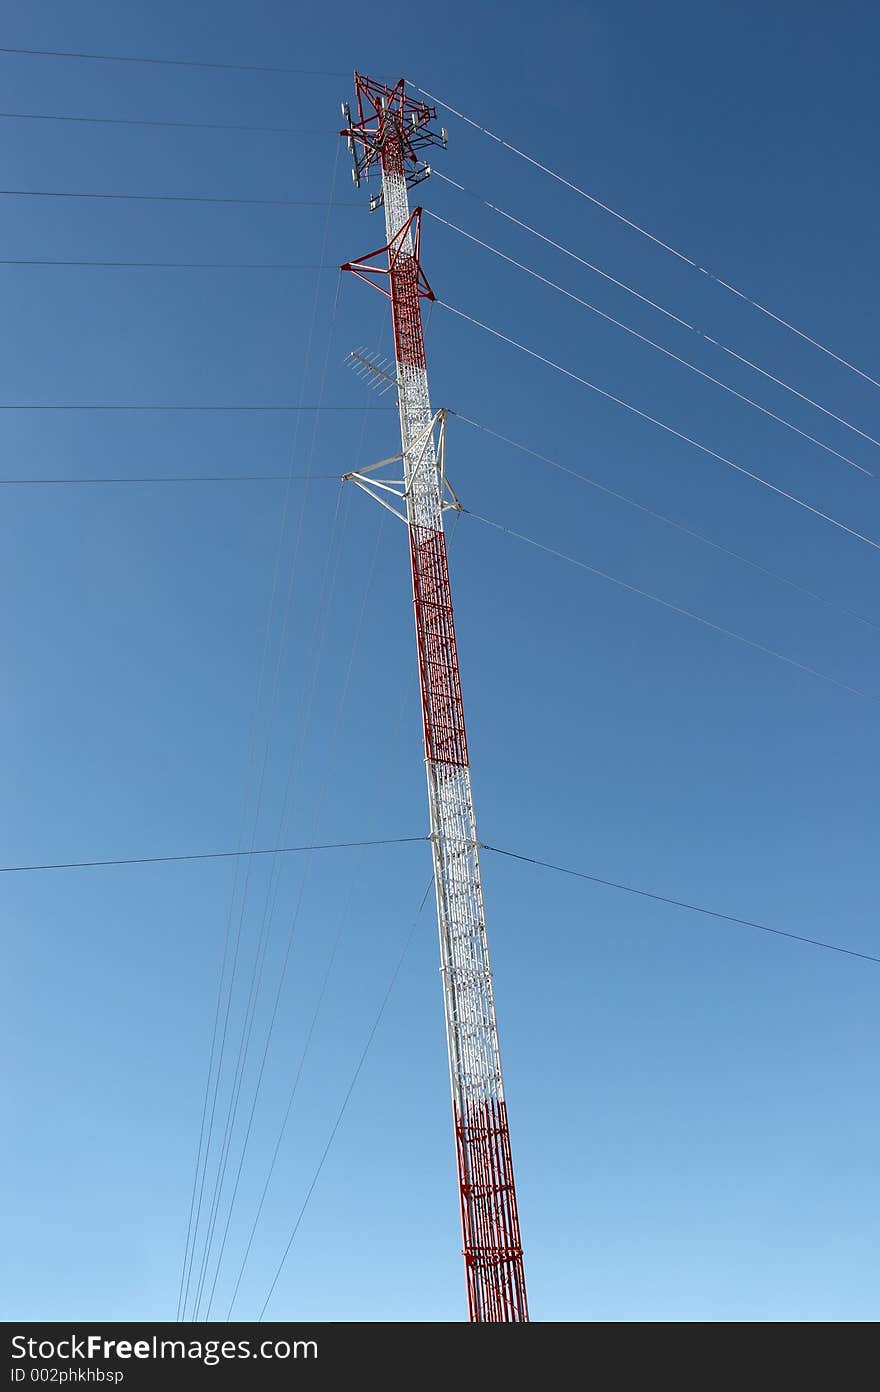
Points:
[(692, 1103)]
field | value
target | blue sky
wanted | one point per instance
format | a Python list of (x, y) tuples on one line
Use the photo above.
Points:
[(690, 1102)]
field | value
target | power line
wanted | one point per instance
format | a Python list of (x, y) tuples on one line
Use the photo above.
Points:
[(271, 897), (291, 1098), (408, 840), (203, 1148), (643, 231), (650, 342), (682, 904), (172, 125), (392, 732), (196, 1208), (319, 631), (180, 478), (259, 959), (182, 198), (667, 521), (331, 570), (270, 906), (135, 406), (172, 62), (662, 309), (262, 943), (667, 604), (558, 246), (207, 855), (346, 1099), (577, 874), (636, 411), (179, 265)]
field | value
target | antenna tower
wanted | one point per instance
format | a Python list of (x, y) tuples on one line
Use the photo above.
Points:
[(385, 136)]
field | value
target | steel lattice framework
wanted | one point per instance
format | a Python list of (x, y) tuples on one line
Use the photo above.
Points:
[(384, 136)]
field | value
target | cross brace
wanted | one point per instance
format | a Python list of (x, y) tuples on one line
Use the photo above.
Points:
[(377, 486)]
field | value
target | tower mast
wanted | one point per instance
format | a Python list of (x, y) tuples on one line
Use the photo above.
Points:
[(385, 134)]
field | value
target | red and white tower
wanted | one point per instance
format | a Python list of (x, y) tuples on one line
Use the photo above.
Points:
[(384, 136)]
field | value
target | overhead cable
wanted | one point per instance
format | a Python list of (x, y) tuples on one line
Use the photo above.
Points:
[(650, 342), (135, 406), (343, 918), (654, 304), (682, 904), (172, 125), (667, 521), (181, 198), (643, 231), (204, 855), (177, 265), (496, 850), (172, 62), (272, 891), (331, 567), (167, 478), (391, 729), (668, 604), (347, 1097), (644, 415), (236, 940), (257, 972)]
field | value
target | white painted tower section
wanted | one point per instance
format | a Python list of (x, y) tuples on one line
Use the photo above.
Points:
[(472, 1036)]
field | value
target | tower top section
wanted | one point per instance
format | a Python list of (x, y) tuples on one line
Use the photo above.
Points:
[(390, 127)]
